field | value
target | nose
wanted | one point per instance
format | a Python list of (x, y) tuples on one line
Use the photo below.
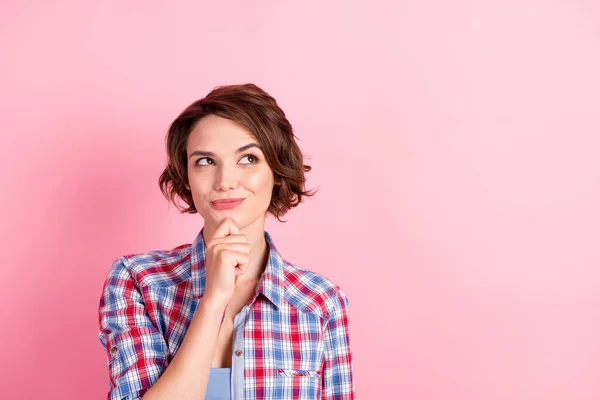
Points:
[(226, 178)]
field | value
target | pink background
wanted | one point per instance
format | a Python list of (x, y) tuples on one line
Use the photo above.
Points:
[(456, 146)]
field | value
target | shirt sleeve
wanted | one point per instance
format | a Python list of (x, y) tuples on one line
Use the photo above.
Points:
[(136, 351), (338, 374)]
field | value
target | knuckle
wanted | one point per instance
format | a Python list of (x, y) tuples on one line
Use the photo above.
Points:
[(223, 252), (213, 242)]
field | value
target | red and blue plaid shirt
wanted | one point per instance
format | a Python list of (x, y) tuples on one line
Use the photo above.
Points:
[(290, 342)]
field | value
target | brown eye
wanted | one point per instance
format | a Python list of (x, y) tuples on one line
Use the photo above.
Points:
[(252, 158), (208, 160)]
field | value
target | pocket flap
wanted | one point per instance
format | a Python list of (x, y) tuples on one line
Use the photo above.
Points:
[(298, 372)]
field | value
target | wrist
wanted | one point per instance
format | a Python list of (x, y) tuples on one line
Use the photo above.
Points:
[(214, 304)]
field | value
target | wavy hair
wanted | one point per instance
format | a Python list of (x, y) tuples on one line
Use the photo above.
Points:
[(257, 111)]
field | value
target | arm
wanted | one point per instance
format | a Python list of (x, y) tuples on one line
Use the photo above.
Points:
[(338, 370), (188, 373), (137, 352)]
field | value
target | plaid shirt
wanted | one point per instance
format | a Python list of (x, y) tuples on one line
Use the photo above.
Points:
[(290, 342)]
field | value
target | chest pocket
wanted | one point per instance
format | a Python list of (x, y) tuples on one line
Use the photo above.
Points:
[(298, 345), (297, 384), (287, 346)]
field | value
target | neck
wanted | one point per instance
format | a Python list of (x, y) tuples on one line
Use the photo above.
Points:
[(259, 256)]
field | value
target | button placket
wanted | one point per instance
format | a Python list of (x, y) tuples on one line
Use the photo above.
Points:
[(237, 376)]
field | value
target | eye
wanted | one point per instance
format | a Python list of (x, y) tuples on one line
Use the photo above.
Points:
[(208, 161), (253, 159)]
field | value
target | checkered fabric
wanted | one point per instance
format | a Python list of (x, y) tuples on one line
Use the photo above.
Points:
[(296, 341)]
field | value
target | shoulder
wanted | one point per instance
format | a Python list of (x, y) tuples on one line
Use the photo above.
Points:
[(159, 268), (313, 292)]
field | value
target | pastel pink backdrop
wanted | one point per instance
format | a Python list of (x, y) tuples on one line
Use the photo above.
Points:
[(455, 144)]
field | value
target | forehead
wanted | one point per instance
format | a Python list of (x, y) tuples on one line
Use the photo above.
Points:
[(216, 133)]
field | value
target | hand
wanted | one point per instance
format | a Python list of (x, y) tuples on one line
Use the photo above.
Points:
[(227, 256)]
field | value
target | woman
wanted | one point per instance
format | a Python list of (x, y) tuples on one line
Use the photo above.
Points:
[(226, 317)]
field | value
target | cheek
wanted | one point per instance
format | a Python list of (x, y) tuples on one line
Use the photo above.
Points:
[(199, 186), (260, 182)]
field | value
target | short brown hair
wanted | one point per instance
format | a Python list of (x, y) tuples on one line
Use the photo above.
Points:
[(257, 111)]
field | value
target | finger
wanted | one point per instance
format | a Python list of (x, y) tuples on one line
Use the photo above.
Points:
[(236, 259), (225, 228), (222, 249), (241, 267), (239, 272), (228, 239)]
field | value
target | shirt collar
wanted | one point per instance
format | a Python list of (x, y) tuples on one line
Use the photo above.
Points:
[(271, 283)]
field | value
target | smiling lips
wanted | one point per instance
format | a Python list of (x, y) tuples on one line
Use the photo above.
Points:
[(226, 204)]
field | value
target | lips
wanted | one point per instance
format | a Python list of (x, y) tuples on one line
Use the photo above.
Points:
[(225, 201), (225, 204)]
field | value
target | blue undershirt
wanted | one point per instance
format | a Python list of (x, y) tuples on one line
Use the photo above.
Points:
[(219, 384)]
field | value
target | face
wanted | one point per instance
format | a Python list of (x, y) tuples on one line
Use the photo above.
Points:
[(225, 161)]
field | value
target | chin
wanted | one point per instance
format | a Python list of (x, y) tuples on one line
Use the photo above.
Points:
[(216, 220), (241, 219), (245, 222)]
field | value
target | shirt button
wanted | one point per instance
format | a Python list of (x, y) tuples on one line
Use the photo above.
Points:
[(114, 351), (238, 353)]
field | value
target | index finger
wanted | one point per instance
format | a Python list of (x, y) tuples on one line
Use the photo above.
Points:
[(225, 228)]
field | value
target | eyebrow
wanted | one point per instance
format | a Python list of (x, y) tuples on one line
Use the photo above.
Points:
[(211, 154)]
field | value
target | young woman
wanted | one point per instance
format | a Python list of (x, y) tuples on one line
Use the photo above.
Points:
[(227, 317)]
